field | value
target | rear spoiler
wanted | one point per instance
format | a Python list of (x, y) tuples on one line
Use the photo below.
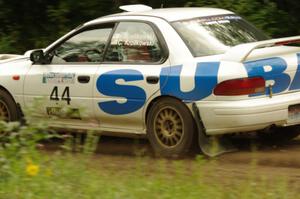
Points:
[(240, 52)]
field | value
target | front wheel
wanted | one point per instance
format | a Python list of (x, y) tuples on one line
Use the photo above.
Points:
[(8, 108), (170, 127)]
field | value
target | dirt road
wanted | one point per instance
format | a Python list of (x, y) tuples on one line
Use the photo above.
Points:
[(270, 160)]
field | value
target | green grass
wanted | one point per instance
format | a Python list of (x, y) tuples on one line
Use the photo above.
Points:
[(81, 175)]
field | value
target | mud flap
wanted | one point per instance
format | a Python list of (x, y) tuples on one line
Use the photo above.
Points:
[(211, 146)]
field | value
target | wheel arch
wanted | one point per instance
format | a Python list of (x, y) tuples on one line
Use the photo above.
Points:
[(158, 98), (7, 91), (194, 112), (12, 97)]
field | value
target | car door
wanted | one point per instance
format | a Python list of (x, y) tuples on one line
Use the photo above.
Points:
[(65, 85), (129, 76)]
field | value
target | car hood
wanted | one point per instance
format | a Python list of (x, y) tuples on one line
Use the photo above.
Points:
[(4, 58)]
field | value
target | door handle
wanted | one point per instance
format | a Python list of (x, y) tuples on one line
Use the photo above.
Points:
[(84, 79), (152, 79)]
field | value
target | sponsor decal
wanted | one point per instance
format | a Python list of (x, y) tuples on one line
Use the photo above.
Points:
[(58, 78), (273, 69), (296, 82), (275, 73), (59, 112), (205, 78), (205, 81), (134, 95)]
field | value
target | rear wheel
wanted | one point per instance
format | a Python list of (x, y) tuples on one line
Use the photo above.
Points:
[(170, 127), (281, 134)]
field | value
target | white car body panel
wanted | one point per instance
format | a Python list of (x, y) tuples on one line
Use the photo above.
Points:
[(8, 69), (82, 94), (8, 57), (247, 115), (240, 52), (219, 114), (133, 121)]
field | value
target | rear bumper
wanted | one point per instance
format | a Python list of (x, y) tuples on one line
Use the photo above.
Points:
[(221, 117)]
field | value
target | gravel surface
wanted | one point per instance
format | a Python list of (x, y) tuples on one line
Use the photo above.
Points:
[(270, 160)]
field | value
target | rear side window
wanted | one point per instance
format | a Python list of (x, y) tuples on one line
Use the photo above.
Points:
[(134, 42), (216, 34)]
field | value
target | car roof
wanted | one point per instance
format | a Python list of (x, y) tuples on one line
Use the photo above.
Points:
[(176, 14)]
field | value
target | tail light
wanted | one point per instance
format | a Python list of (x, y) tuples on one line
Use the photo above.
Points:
[(244, 86)]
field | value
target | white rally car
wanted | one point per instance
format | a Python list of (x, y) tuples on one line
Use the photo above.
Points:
[(169, 74)]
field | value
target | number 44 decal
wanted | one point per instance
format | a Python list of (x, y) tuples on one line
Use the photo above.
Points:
[(65, 95)]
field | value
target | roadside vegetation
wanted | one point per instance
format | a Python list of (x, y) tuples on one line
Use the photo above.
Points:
[(38, 23), (27, 171)]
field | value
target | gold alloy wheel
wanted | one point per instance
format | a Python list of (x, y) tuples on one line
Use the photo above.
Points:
[(4, 113), (168, 127)]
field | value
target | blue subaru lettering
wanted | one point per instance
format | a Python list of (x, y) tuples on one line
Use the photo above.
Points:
[(135, 96), (278, 66), (205, 81), (296, 82)]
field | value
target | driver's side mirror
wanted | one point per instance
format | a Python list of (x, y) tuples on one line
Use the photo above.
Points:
[(37, 57)]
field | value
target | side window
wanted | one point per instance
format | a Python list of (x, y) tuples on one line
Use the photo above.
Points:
[(87, 46), (134, 42)]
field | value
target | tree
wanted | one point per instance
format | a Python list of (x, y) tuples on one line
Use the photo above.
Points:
[(30, 24), (263, 13)]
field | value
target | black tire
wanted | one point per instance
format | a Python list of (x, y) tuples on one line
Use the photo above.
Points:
[(280, 135), (170, 128), (8, 109)]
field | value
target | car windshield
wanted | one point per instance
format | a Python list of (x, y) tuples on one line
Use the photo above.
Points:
[(216, 34)]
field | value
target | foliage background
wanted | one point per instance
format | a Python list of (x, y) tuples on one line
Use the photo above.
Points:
[(30, 24)]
